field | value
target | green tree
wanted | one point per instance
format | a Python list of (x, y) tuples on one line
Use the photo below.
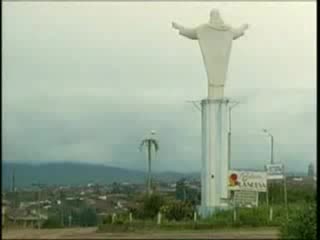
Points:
[(150, 143)]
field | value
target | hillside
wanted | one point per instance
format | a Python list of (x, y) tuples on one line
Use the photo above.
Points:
[(76, 173)]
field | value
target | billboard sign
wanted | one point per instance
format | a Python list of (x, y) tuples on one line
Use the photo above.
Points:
[(247, 181), (275, 171), (246, 198)]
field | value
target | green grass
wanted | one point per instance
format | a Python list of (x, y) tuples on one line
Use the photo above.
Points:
[(246, 218), (175, 227)]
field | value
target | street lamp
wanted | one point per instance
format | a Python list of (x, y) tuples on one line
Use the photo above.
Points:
[(271, 186), (271, 138)]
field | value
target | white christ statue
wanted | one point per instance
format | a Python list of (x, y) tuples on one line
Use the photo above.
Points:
[(215, 39)]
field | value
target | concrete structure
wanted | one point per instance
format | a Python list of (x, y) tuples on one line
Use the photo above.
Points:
[(214, 172), (215, 39)]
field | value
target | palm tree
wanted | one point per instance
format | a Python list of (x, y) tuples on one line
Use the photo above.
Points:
[(149, 143)]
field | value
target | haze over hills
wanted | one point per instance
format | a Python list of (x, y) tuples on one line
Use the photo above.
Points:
[(69, 173)]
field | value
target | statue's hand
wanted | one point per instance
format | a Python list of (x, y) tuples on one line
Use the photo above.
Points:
[(175, 25), (238, 32), (245, 26)]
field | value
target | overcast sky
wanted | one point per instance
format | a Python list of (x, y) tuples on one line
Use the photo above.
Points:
[(85, 82)]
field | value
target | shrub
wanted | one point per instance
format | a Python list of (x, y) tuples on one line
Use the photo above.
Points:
[(177, 210), (150, 206), (247, 217), (121, 218), (302, 224), (107, 219), (253, 217), (220, 218)]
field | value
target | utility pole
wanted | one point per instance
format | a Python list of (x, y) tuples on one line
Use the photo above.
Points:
[(229, 134)]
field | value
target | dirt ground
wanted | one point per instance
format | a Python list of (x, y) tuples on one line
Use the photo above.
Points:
[(91, 233)]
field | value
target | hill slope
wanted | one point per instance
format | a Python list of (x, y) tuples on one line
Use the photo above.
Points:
[(75, 173)]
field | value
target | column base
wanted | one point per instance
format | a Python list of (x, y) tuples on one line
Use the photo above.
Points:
[(207, 211)]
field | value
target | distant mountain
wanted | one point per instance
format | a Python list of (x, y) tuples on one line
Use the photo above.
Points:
[(77, 173)]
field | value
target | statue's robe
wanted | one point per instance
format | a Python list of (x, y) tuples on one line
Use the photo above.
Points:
[(215, 47), (215, 43)]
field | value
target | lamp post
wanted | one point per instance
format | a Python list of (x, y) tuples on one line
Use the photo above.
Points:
[(271, 162)]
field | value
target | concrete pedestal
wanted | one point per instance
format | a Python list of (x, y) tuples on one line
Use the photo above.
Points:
[(214, 173)]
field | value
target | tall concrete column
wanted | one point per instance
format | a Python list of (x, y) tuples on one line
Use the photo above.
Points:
[(214, 172)]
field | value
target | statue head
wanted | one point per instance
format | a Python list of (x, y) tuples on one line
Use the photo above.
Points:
[(215, 17), (216, 20)]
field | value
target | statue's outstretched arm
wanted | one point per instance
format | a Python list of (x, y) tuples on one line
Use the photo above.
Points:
[(238, 32), (187, 32)]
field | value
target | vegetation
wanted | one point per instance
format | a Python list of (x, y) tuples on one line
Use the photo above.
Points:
[(53, 221), (305, 192), (178, 214), (184, 193), (86, 217), (177, 210), (302, 223), (150, 206), (171, 209)]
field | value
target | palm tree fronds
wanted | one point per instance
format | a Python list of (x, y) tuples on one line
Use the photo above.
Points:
[(143, 142), (151, 141), (155, 144)]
